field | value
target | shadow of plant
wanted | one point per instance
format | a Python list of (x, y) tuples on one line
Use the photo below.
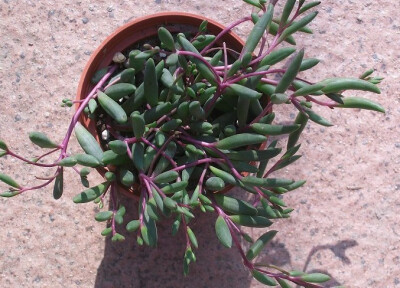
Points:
[(339, 250), (125, 264)]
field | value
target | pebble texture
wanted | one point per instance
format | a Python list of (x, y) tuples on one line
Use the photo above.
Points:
[(346, 220)]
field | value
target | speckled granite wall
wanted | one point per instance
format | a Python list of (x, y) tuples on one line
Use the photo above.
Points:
[(347, 216)]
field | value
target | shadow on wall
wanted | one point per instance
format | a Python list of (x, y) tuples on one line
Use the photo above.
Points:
[(125, 264)]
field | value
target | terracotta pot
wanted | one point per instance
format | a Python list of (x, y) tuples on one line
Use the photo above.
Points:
[(138, 30)]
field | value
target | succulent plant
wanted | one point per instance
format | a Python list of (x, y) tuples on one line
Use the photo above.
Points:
[(182, 120)]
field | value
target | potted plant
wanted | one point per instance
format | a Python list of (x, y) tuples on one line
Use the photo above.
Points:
[(176, 120)]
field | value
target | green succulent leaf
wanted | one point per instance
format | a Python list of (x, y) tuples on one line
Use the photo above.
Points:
[(138, 156), (200, 65), (362, 103), (308, 6), (315, 278), (277, 56), (223, 232), (155, 113), (174, 187), (166, 177), (317, 118), (9, 181), (103, 216), (166, 38), (240, 140), (119, 147), (251, 221), (267, 129), (256, 248), (244, 91), (133, 225), (286, 12), (87, 160), (149, 231), (262, 278), (266, 182), (112, 158), (88, 142), (254, 3), (290, 73), (258, 31), (117, 238), (302, 120), (41, 140), (92, 193), (112, 108), (296, 26), (283, 283), (310, 89), (192, 238), (335, 85), (308, 63), (128, 76), (3, 145), (9, 193), (273, 30), (150, 83), (120, 90), (215, 184), (68, 162), (235, 206), (107, 231), (59, 185)]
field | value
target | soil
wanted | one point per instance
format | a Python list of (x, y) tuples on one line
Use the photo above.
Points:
[(345, 221)]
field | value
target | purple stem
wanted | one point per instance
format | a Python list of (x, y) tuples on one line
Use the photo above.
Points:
[(223, 32), (12, 154), (196, 163), (78, 112)]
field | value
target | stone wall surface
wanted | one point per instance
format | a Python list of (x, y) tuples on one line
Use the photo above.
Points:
[(346, 218)]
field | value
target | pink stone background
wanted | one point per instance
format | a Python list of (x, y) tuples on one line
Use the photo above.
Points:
[(347, 216)]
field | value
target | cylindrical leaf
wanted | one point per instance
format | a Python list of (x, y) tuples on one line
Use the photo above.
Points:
[(267, 129), (235, 206), (166, 38), (88, 142), (215, 184), (166, 177), (223, 232), (112, 108), (91, 193), (87, 160), (334, 85), (240, 140), (256, 248), (41, 140), (251, 221), (192, 238), (120, 90), (264, 279), (366, 104), (103, 216), (133, 225), (315, 278), (119, 147), (59, 185), (9, 181), (290, 73), (258, 30)]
